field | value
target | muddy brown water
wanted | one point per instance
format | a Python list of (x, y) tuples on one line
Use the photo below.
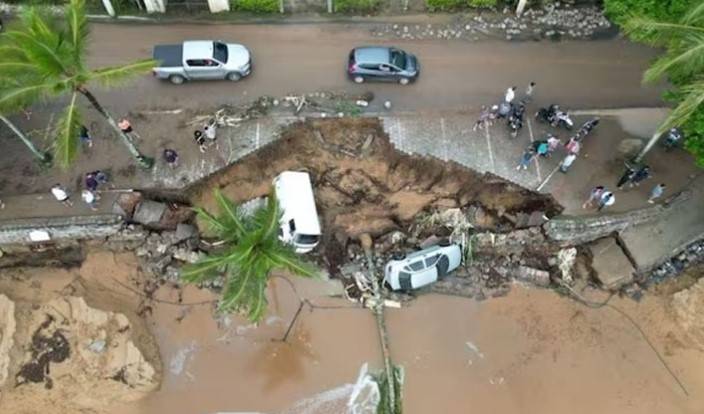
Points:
[(531, 351)]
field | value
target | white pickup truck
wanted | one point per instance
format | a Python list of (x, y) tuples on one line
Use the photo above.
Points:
[(202, 60)]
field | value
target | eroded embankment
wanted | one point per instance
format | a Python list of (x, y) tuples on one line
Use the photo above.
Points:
[(364, 185)]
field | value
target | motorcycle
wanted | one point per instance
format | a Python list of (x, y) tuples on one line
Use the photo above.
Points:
[(547, 115), (563, 119), (515, 119), (514, 124), (587, 127), (673, 139)]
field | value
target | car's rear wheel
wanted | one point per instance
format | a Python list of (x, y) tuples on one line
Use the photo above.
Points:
[(234, 76), (445, 242), (404, 81), (177, 79), (358, 79)]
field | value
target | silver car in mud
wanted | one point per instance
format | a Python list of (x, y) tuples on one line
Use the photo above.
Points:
[(423, 267)]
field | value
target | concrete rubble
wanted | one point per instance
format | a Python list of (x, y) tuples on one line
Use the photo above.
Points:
[(552, 21)]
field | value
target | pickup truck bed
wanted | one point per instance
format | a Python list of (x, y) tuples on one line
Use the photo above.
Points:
[(169, 55)]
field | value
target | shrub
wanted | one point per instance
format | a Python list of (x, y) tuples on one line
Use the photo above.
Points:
[(449, 5), (256, 6), (620, 10), (356, 6), (443, 5), (482, 3)]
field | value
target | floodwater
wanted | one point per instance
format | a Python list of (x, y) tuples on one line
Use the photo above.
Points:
[(530, 352)]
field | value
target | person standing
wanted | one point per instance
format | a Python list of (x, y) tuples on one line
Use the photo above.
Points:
[(171, 157), (85, 136), (607, 199), (594, 196), (526, 158), (553, 143), (90, 198), (641, 175), (529, 92), (567, 162), (61, 195), (200, 140), (91, 182), (510, 94), (656, 192), (573, 146), (541, 147), (126, 127), (626, 177), (211, 132)]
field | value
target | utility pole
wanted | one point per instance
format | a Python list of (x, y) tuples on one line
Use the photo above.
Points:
[(519, 8)]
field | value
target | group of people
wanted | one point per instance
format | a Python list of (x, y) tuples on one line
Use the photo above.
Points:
[(633, 177), (90, 195)]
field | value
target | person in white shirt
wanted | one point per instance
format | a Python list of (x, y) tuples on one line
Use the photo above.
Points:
[(61, 195), (90, 198), (510, 94)]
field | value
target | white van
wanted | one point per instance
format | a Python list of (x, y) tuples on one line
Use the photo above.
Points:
[(299, 222)]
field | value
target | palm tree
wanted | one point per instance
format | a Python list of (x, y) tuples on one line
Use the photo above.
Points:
[(44, 58), (683, 62), (249, 250)]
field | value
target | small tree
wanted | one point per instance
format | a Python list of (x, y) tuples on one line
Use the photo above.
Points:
[(44, 58), (250, 250), (683, 63)]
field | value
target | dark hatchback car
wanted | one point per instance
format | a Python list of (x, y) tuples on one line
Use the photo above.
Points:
[(382, 64)]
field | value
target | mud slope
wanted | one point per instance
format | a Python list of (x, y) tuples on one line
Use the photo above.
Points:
[(363, 184)]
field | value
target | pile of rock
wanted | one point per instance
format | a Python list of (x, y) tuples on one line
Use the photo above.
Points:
[(691, 255), (552, 21)]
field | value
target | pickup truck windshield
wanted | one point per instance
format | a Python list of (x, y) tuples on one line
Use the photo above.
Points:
[(220, 52)]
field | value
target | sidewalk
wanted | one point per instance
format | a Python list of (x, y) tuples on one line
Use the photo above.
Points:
[(447, 136)]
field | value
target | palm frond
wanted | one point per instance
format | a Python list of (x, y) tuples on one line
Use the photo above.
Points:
[(283, 257), (77, 29), (685, 62), (230, 217), (214, 225), (267, 218), (67, 140), (205, 269), (695, 16), (693, 101), (50, 60), (242, 291), (113, 75), (14, 97), (656, 32)]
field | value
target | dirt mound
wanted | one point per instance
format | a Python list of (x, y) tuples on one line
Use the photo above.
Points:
[(66, 356), (364, 185), (688, 306)]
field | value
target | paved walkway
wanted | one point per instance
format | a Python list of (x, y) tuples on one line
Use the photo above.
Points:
[(450, 137)]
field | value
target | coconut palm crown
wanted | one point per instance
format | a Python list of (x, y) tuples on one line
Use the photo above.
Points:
[(45, 57)]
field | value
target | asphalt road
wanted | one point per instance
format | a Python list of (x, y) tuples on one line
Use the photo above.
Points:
[(312, 57)]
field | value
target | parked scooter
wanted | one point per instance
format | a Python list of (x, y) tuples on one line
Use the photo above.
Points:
[(587, 127), (673, 139), (515, 118), (562, 119), (547, 115)]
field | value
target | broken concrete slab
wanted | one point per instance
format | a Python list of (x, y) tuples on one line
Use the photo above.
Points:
[(535, 276), (149, 212), (612, 267), (185, 231)]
